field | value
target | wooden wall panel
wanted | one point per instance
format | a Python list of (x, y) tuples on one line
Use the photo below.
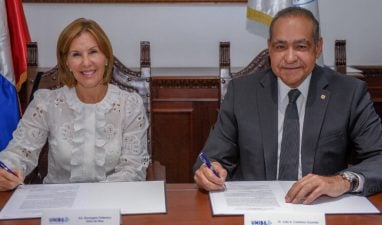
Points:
[(172, 138), (183, 111)]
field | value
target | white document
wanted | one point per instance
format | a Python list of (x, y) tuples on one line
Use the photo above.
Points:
[(28, 201), (241, 197)]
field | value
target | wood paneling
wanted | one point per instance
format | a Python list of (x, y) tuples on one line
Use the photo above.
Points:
[(183, 111)]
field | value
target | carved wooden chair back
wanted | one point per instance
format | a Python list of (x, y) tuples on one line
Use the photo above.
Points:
[(260, 62), (340, 56)]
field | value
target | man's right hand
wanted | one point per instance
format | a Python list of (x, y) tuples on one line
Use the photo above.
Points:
[(207, 180), (9, 181)]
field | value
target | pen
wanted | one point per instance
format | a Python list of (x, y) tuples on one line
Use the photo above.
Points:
[(206, 161), (2, 165)]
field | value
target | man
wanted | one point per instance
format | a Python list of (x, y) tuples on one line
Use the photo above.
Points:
[(333, 116)]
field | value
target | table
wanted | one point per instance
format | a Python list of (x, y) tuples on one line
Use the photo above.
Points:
[(186, 205)]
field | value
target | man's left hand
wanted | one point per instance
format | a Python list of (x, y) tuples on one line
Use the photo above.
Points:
[(312, 186)]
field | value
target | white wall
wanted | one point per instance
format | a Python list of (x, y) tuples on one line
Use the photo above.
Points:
[(188, 35)]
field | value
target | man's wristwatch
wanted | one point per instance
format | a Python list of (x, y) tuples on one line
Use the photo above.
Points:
[(353, 180)]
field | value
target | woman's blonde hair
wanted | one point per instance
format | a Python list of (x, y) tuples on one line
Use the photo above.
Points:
[(72, 31)]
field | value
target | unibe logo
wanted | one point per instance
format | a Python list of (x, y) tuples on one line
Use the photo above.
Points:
[(261, 222), (58, 220)]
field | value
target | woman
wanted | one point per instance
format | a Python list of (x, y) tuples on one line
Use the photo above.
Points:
[(96, 131)]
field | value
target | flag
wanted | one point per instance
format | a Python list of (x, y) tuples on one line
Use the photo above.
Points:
[(261, 12), (19, 37), (13, 65)]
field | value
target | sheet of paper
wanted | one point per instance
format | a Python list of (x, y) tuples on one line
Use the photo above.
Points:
[(241, 197), (28, 201)]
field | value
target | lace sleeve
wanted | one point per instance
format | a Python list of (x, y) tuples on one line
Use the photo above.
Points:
[(30, 136), (134, 159)]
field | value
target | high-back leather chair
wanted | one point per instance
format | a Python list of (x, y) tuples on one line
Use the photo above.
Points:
[(260, 62), (123, 77)]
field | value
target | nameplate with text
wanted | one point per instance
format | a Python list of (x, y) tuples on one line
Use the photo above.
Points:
[(284, 218), (81, 217)]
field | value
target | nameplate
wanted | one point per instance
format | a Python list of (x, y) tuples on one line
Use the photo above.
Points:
[(284, 218), (81, 217)]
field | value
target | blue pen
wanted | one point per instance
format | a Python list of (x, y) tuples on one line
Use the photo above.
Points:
[(208, 163), (2, 165)]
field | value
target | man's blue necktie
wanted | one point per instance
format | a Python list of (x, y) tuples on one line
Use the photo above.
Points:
[(290, 143)]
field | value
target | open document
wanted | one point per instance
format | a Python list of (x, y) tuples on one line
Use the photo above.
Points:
[(250, 196), (28, 201)]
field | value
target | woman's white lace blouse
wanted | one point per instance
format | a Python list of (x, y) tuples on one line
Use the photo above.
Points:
[(105, 141)]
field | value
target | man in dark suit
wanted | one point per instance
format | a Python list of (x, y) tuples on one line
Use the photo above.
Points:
[(333, 116)]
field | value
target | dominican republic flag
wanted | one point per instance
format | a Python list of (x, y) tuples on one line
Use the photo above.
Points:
[(14, 36)]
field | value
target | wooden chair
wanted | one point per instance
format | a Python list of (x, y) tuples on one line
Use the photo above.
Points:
[(260, 62), (340, 56), (125, 78)]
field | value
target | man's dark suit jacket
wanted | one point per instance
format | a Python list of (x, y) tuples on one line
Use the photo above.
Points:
[(339, 118)]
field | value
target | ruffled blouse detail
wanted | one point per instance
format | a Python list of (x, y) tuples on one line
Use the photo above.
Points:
[(103, 132)]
